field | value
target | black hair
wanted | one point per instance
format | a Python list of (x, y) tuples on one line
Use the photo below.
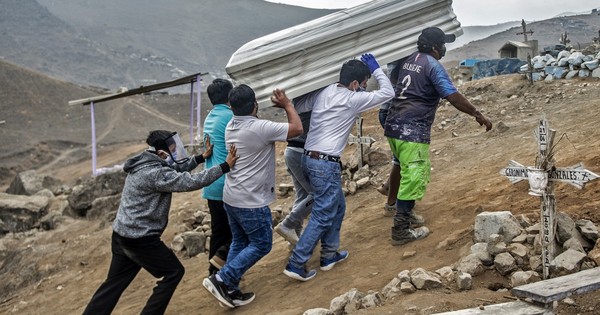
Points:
[(218, 91), (242, 100), (157, 139), (354, 70), (425, 47)]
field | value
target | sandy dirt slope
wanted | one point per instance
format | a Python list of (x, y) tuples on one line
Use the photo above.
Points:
[(72, 261)]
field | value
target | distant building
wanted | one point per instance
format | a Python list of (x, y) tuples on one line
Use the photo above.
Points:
[(520, 50)]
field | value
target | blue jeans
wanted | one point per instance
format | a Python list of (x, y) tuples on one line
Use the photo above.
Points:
[(304, 199), (252, 235), (327, 214)]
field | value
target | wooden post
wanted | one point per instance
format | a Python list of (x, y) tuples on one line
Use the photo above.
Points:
[(525, 31), (545, 161), (359, 121)]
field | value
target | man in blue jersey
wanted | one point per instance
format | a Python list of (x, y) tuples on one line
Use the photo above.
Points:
[(421, 82)]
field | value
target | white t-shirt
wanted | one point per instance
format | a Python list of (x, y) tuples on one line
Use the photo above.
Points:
[(251, 181), (334, 112)]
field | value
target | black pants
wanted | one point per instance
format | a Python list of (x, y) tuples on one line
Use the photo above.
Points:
[(128, 257), (220, 238)]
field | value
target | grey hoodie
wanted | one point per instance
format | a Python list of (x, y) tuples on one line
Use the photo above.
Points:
[(146, 197)]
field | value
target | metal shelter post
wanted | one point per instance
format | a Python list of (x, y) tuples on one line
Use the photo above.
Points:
[(191, 112), (199, 129), (93, 119)]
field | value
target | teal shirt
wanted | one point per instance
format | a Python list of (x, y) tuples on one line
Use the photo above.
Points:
[(214, 126)]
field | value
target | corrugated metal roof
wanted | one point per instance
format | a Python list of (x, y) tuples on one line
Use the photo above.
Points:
[(309, 56), (515, 44)]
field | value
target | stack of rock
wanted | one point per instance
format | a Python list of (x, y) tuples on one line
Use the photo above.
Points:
[(566, 65)]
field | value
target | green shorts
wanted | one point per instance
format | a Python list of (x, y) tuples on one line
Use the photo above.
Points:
[(415, 168)]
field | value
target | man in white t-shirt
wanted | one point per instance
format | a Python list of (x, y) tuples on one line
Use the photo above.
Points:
[(334, 112), (249, 189)]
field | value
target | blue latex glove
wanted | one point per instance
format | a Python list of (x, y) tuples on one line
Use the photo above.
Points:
[(370, 61)]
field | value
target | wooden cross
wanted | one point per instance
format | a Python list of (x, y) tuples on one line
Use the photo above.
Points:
[(541, 182), (525, 31), (360, 139)]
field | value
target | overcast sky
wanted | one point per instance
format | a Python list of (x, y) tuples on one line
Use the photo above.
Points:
[(481, 12)]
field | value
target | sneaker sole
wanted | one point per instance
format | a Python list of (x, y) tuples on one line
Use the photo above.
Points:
[(405, 241), (330, 266), (211, 288), (296, 276), (285, 237), (242, 303), (215, 264)]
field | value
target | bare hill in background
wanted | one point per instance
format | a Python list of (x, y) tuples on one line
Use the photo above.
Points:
[(44, 133), (580, 29), (130, 43), (473, 33)]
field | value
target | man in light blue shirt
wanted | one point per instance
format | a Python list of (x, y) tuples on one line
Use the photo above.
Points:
[(214, 129)]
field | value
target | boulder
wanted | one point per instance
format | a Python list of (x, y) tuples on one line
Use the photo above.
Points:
[(29, 182), (425, 280), (20, 213), (502, 223)]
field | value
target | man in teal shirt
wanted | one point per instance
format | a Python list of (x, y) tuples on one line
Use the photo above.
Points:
[(214, 128)]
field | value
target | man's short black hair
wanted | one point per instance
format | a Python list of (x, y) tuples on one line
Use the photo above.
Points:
[(354, 70), (157, 139), (218, 91), (242, 100)]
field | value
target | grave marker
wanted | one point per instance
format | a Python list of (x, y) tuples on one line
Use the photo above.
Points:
[(541, 181), (360, 139)]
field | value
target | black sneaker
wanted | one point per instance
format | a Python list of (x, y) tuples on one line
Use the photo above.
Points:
[(239, 298), (409, 235), (219, 290)]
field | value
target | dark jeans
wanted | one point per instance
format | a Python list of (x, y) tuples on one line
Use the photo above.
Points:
[(220, 240), (128, 257)]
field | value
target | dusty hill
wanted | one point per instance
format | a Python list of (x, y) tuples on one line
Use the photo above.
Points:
[(45, 133), (581, 29), (59, 270), (132, 43)]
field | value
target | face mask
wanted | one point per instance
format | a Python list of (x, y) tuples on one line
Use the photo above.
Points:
[(442, 51)]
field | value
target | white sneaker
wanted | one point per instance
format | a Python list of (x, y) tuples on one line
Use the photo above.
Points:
[(288, 234)]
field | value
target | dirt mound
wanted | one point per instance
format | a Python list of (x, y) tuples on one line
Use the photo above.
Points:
[(70, 263)]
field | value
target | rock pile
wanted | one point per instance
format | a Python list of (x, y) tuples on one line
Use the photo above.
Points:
[(567, 65), (502, 244), (34, 201)]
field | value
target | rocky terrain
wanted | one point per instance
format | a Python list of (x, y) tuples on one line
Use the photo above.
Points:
[(58, 270)]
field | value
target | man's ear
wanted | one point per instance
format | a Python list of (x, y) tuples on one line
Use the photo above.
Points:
[(162, 154)]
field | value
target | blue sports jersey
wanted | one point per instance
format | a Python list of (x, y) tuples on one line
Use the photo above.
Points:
[(421, 82)]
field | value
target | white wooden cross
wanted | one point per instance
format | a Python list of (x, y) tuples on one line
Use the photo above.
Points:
[(541, 181), (360, 139)]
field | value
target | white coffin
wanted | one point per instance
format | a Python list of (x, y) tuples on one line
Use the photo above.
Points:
[(308, 56)]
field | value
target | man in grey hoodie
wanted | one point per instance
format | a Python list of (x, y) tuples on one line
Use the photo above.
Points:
[(152, 177)]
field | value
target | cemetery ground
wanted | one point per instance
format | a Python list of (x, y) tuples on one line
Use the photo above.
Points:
[(66, 265)]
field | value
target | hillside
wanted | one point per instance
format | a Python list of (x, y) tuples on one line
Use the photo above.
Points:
[(46, 133), (132, 43), (473, 33), (60, 269), (580, 29)]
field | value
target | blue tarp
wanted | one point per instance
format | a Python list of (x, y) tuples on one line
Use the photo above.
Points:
[(493, 67)]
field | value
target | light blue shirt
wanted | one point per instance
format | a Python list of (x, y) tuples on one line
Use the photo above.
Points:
[(214, 126)]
